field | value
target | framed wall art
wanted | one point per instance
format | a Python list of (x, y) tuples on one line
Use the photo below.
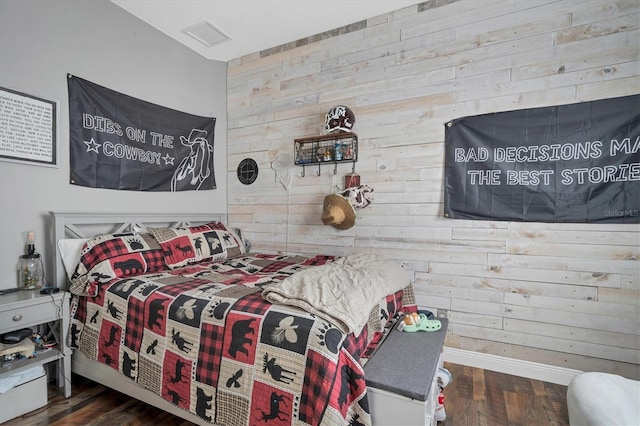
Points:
[(28, 128)]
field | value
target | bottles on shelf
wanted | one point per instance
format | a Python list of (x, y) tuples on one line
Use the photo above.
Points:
[(331, 148)]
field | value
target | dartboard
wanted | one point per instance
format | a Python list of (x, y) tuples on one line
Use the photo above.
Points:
[(247, 171)]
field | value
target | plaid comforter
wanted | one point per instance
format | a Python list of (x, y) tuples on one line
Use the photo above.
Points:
[(203, 338)]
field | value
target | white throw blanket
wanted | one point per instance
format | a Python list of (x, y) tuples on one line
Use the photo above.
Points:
[(344, 291)]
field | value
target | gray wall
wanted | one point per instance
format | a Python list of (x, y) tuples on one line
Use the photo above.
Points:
[(43, 40)]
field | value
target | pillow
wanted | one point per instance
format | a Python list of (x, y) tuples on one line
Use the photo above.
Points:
[(109, 256), (70, 251), (245, 241), (193, 244)]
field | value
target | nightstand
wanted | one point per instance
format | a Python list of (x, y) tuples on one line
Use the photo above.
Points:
[(29, 308)]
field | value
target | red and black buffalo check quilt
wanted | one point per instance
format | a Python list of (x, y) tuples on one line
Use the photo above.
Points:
[(204, 339)]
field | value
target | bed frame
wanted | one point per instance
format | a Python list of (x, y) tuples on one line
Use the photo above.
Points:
[(384, 400), (86, 225)]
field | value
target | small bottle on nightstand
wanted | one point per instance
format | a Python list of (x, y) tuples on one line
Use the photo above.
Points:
[(31, 269)]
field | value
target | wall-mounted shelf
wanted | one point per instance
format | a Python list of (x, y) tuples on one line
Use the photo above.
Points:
[(333, 148)]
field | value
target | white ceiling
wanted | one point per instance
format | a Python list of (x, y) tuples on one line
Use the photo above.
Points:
[(254, 25)]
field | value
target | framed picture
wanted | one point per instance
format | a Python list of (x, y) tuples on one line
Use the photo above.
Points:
[(27, 129)]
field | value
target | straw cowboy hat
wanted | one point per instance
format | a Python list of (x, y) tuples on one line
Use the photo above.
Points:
[(338, 212)]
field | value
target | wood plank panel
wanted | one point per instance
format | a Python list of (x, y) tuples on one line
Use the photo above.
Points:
[(622, 338), (525, 274), (509, 285), (628, 266), (551, 236), (544, 342), (575, 250), (544, 356)]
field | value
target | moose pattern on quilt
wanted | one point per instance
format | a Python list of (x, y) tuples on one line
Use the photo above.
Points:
[(203, 338)]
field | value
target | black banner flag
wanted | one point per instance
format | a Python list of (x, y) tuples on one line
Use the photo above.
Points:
[(568, 163), (120, 142)]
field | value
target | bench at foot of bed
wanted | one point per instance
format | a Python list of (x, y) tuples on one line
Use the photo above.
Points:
[(402, 380)]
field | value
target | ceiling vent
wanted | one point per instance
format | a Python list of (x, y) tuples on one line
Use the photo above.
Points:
[(206, 33)]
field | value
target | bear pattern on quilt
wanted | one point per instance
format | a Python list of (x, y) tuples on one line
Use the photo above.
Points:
[(204, 339), (193, 244), (109, 256)]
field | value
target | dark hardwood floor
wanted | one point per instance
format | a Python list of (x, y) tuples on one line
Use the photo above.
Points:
[(483, 397), (474, 397)]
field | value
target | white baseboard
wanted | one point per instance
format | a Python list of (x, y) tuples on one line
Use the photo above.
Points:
[(516, 367)]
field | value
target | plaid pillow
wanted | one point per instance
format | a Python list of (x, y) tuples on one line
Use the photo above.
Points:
[(194, 244), (110, 256)]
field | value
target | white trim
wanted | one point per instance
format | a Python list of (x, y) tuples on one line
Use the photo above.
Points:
[(516, 367)]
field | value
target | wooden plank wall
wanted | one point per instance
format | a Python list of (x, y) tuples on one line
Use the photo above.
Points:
[(560, 294)]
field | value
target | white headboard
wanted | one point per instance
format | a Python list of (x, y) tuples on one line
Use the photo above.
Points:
[(86, 225)]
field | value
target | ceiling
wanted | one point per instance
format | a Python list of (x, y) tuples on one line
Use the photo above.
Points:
[(252, 25)]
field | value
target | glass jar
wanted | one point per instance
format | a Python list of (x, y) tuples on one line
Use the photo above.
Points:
[(338, 155), (31, 272)]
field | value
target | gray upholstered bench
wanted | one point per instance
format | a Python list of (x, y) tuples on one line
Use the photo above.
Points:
[(401, 377)]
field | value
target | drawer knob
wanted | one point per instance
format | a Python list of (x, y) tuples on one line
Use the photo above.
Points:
[(17, 317)]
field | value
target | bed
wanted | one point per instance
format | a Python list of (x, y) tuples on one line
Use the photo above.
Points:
[(174, 311)]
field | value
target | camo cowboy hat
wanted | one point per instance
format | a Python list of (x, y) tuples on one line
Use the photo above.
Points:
[(338, 212)]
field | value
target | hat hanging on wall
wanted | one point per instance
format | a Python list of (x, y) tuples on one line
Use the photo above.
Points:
[(338, 212)]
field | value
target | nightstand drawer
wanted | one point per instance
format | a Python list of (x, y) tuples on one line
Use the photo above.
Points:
[(25, 316)]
